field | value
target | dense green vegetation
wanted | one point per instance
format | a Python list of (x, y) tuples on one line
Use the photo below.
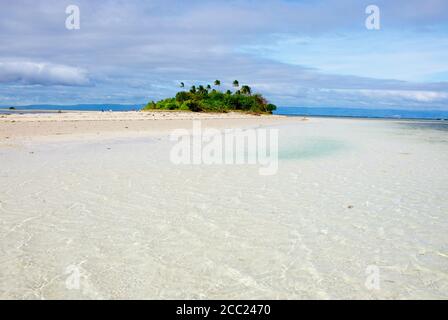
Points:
[(206, 99)]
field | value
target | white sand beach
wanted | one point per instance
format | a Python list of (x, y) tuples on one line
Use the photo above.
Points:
[(78, 124), (95, 194)]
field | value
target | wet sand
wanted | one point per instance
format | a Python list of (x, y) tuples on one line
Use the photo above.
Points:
[(350, 196)]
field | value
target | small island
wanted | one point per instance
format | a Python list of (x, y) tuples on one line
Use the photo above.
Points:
[(207, 99)]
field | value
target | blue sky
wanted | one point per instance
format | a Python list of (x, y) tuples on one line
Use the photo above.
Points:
[(297, 53)]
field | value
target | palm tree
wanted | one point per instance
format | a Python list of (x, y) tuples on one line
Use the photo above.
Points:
[(228, 92), (217, 83), (246, 90), (209, 87), (182, 85), (193, 89), (236, 84), (202, 90)]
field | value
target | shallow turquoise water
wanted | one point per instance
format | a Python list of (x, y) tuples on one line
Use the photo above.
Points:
[(310, 148)]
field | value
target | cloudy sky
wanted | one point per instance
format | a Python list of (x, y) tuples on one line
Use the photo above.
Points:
[(296, 52)]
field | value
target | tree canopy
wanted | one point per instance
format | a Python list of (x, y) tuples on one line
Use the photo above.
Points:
[(203, 99)]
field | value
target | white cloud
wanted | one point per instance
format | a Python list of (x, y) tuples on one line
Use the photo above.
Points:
[(139, 50), (33, 73), (420, 96)]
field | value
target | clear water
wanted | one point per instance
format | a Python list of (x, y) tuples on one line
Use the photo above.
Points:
[(363, 113), (309, 148), (348, 195)]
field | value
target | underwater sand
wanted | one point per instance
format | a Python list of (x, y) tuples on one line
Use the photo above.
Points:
[(348, 194)]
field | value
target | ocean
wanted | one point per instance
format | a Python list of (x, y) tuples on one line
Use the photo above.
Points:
[(363, 113), (289, 111), (76, 107)]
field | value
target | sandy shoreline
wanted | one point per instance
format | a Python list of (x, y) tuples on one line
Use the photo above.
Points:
[(91, 124), (88, 125)]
